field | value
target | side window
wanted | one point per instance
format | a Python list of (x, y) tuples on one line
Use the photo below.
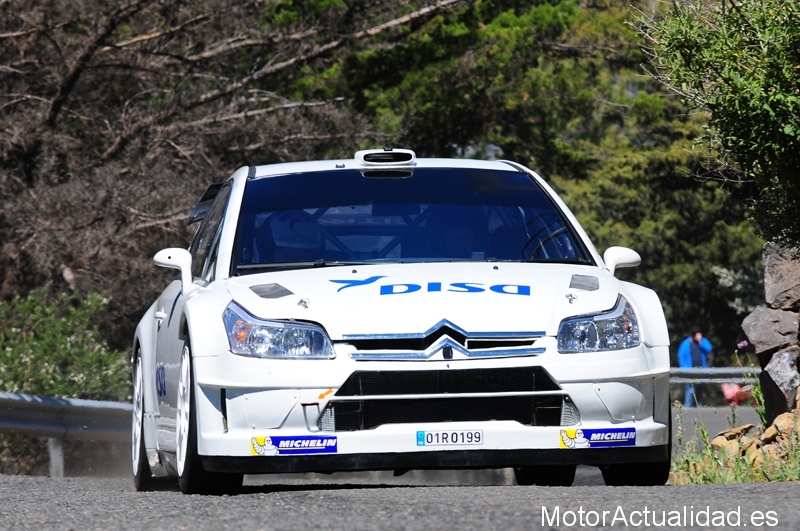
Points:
[(211, 261), (207, 234)]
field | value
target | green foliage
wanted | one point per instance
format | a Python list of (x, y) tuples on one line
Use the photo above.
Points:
[(641, 198), (284, 13), (50, 346), (558, 86), (696, 461), (758, 396), (740, 61)]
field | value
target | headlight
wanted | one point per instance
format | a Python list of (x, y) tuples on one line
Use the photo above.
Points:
[(253, 337), (615, 330)]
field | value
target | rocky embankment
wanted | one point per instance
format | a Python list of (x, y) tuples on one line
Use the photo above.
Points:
[(773, 331)]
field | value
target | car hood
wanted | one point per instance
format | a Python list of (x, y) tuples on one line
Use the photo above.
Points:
[(413, 298)]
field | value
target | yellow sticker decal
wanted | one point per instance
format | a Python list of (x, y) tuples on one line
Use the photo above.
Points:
[(573, 438), (262, 446)]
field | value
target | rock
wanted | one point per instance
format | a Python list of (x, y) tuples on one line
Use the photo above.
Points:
[(732, 448), (718, 442), (769, 435), (781, 277), (738, 431), (772, 452), (781, 428), (727, 449), (681, 477), (769, 330), (754, 456), (746, 442), (785, 423), (782, 370), (774, 399)]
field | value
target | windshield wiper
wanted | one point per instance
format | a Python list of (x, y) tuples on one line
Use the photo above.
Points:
[(296, 265), (577, 261)]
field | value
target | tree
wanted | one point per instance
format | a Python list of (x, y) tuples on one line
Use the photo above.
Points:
[(740, 62), (558, 86), (116, 115)]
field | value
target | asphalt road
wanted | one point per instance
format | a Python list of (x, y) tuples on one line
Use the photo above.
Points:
[(83, 504), (447, 500)]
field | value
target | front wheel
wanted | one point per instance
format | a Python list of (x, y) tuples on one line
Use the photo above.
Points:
[(192, 477), (636, 474), (545, 475), (641, 474), (143, 478)]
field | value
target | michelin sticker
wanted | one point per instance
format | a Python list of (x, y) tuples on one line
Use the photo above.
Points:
[(299, 445), (602, 438)]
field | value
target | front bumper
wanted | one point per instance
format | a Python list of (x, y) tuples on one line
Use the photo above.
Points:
[(622, 399), (392, 447)]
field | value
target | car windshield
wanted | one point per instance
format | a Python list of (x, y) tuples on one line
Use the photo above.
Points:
[(443, 214)]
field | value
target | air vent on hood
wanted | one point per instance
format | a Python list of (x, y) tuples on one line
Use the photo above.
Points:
[(270, 291), (584, 282)]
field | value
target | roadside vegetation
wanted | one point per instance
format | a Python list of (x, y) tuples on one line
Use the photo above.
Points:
[(743, 458), (738, 62), (743, 453), (50, 346)]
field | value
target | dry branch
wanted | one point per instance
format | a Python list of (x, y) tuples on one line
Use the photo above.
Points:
[(157, 34), (77, 68), (237, 44), (216, 94)]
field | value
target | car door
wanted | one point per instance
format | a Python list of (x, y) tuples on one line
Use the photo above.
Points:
[(170, 339)]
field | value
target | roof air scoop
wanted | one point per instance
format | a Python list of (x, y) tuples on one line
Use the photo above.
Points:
[(386, 162)]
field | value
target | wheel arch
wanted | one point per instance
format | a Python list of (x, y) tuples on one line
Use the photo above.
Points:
[(144, 341), (143, 347)]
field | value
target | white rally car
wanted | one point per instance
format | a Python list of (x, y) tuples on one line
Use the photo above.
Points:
[(395, 313)]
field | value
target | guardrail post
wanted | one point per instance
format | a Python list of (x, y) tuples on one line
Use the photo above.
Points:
[(56, 449)]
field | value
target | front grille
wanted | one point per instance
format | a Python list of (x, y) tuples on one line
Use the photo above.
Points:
[(453, 381), (411, 343), (423, 343), (355, 415)]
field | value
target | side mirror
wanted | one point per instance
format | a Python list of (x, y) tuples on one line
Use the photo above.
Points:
[(618, 257), (180, 259)]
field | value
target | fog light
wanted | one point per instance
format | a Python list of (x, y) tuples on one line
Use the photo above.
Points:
[(569, 413), (327, 421)]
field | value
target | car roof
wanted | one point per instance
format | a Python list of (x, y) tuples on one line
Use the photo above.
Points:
[(270, 170)]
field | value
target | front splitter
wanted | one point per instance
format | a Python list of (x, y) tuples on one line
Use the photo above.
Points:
[(439, 460)]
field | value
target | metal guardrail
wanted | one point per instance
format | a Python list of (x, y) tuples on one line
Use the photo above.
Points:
[(717, 375), (71, 418), (64, 418)]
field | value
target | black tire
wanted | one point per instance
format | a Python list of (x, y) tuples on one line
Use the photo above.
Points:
[(192, 477), (545, 475), (143, 479), (636, 474), (640, 474)]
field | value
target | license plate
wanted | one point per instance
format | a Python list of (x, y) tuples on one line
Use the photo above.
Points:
[(450, 438)]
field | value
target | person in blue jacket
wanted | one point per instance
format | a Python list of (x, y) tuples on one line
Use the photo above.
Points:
[(693, 352)]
